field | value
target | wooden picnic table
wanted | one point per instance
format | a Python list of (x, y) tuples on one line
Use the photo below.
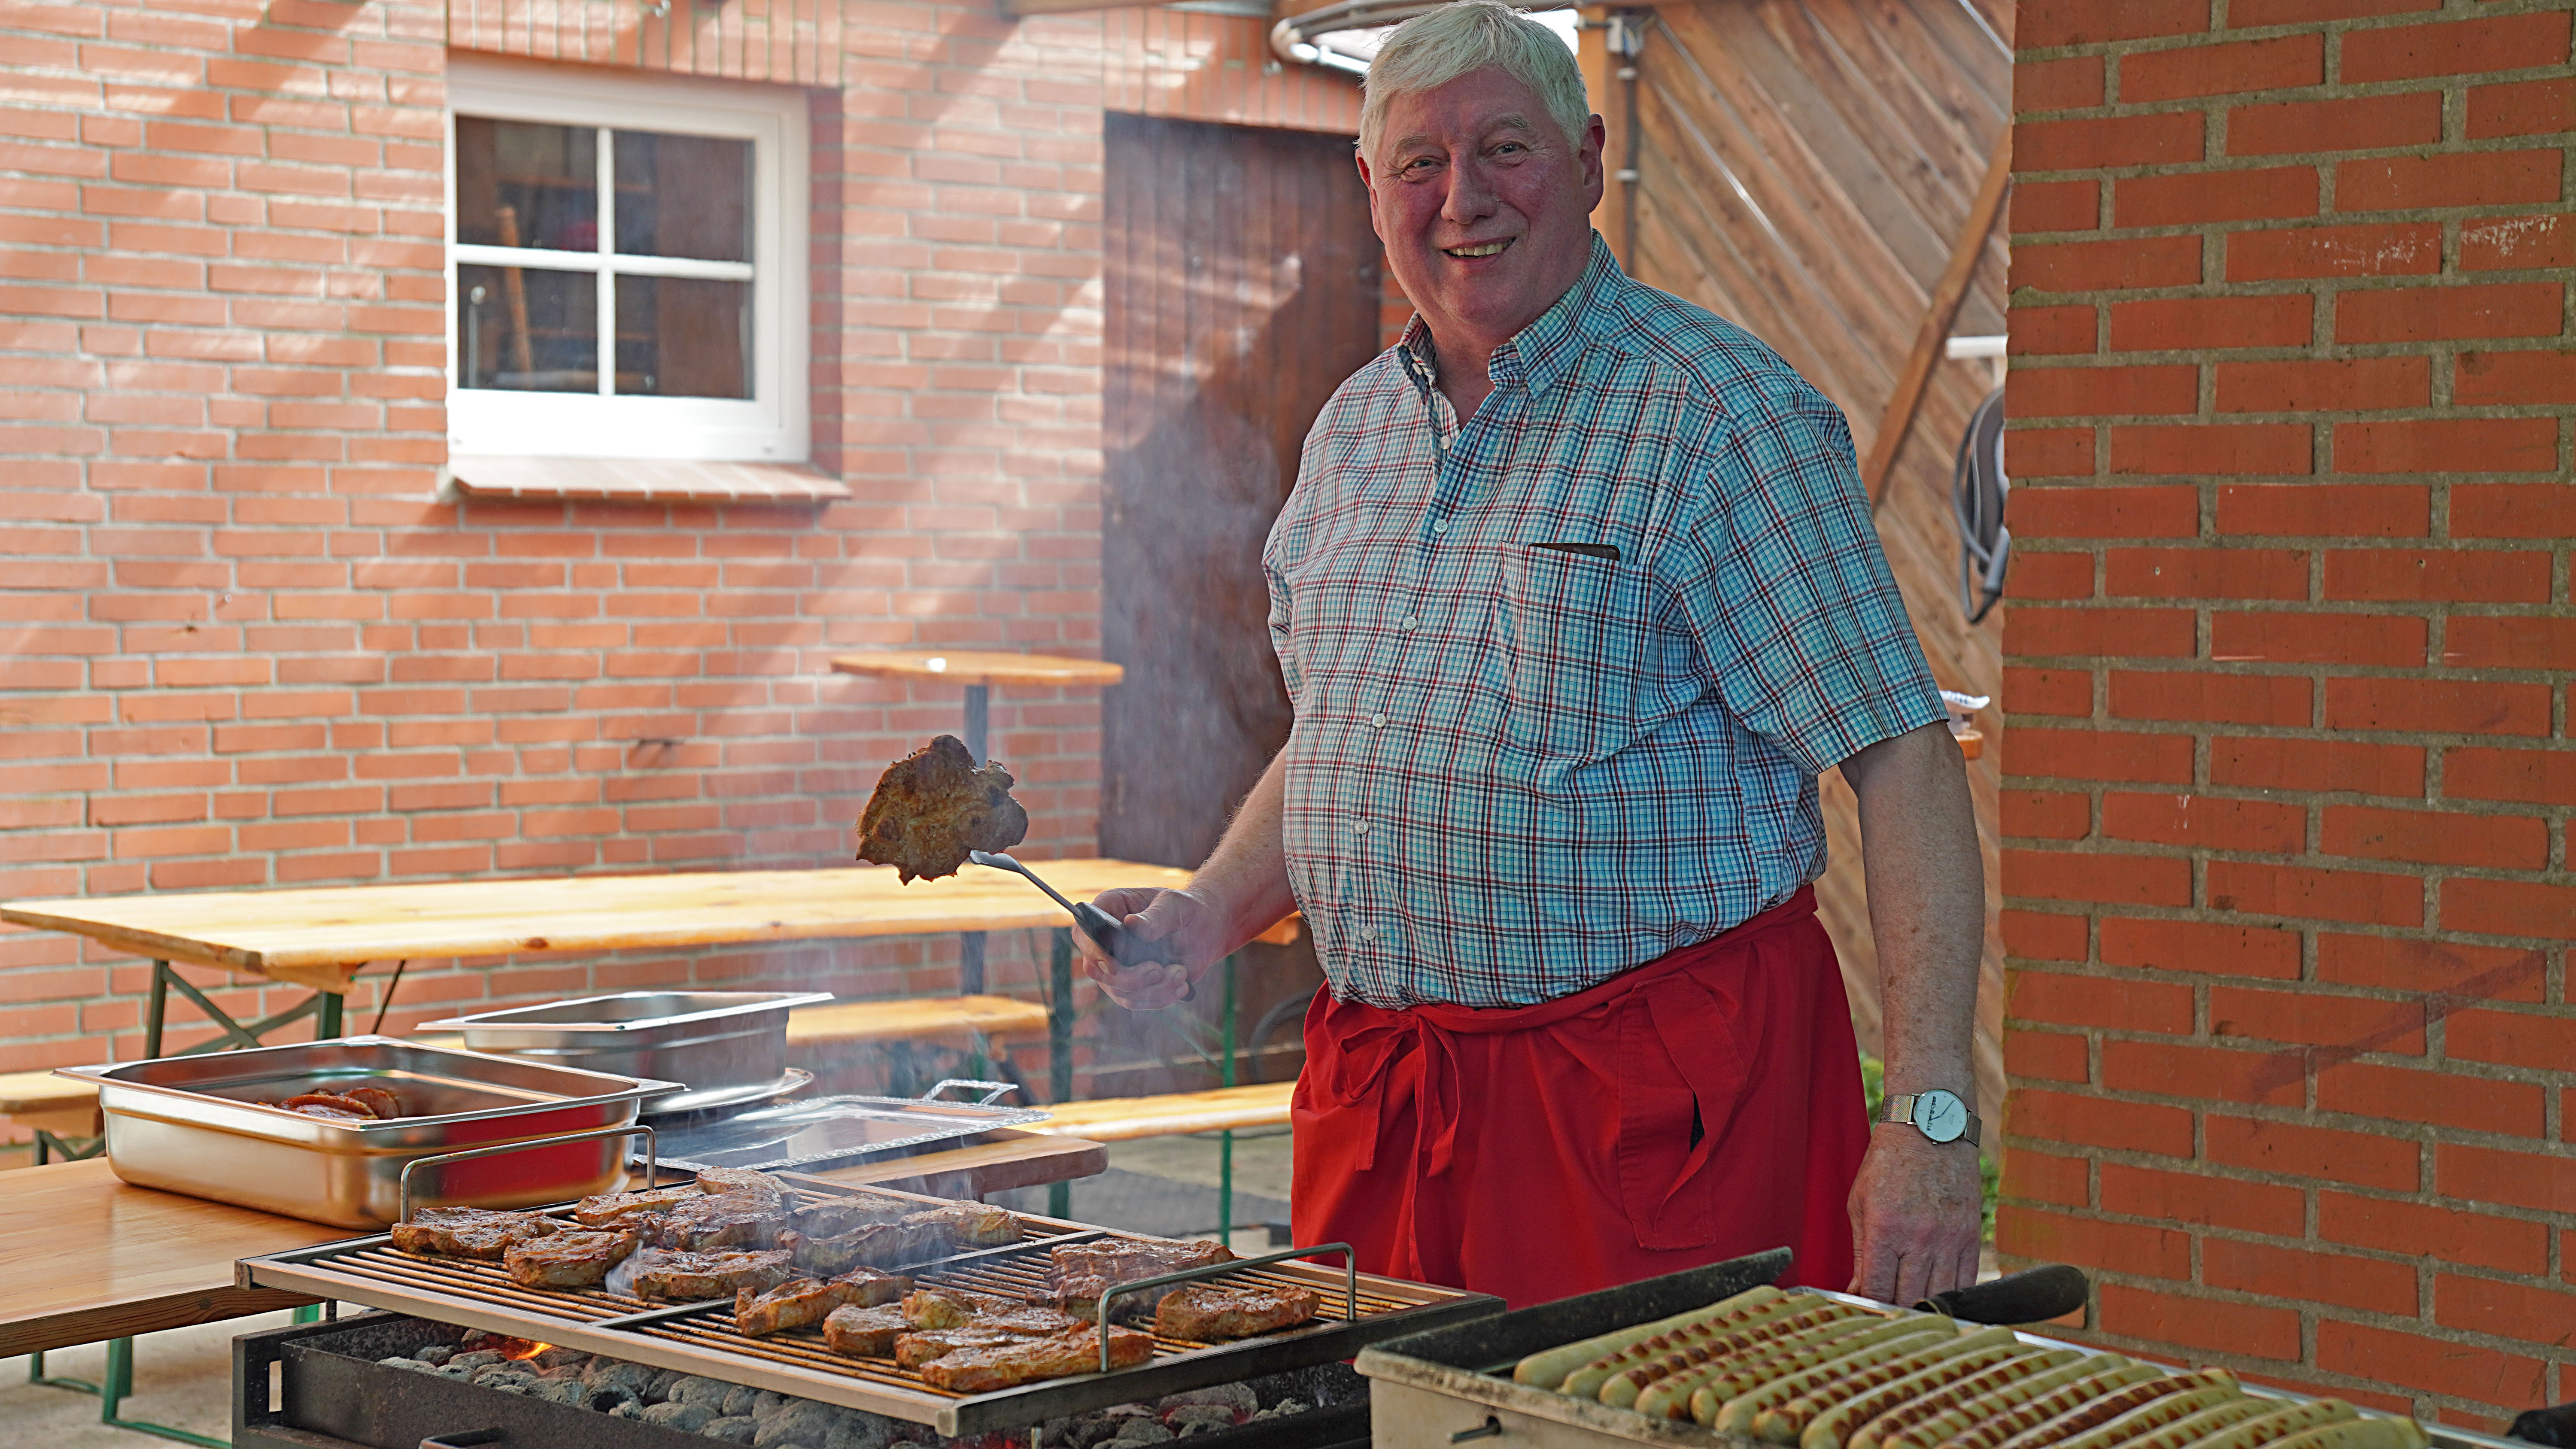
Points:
[(322, 937), (119, 1260)]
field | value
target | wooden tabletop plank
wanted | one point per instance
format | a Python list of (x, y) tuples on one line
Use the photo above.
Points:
[(917, 1018), (122, 1260), (1122, 1119), (969, 666), (343, 926)]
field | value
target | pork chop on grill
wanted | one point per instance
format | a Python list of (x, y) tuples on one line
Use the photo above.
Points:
[(933, 806), (464, 1232), (741, 1182), (864, 1332), (700, 1224), (1002, 1366), (1205, 1312), (1084, 1271), (886, 1245), (696, 1277), (922, 1345), (971, 1225), (833, 1216), (611, 1206), (800, 1302), (570, 1260)]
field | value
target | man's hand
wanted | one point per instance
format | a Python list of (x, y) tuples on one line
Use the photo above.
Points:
[(1194, 927), (1917, 1214)]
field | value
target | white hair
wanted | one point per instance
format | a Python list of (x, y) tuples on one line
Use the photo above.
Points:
[(1438, 46)]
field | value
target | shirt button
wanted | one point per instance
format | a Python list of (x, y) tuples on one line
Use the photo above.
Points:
[(1368, 933), (1359, 827), (1377, 721), (1440, 525), (1410, 621)]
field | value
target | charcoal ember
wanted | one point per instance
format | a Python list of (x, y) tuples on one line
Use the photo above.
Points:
[(739, 1399), (506, 1381), (1292, 1406), (617, 1399), (1092, 1433), (557, 1357), (769, 1401), (1238, 1397), (565, 1391), (1200, 1418), (627, 1409), (672, 1414), (798, 1421), (1142, 1431), (732, 1428), (413, 1364), (856, 1430), (474, 1359), (435, 1353), (692, 1389), (561, 1371), (634, 1379)]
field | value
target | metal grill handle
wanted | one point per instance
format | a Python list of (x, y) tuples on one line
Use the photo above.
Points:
[(1350, 1282), (993, 1091), (652, 1149)]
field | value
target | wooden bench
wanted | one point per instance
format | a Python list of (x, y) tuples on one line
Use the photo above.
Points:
[(963, 1019), (55, 1108)]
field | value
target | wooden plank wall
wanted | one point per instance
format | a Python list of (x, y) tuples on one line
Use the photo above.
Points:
[(1805, 167)]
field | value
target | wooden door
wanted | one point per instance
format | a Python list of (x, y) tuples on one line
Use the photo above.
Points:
[(1242, 288)]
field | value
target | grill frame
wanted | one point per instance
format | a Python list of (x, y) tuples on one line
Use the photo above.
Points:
[(480, 1295)]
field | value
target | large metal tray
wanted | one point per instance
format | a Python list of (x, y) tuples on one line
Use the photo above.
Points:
[(724, 1046), (199, 1125), (809, 1136)]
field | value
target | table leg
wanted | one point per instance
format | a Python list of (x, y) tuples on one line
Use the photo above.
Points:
[(153, 1007), (970, 963), (979, 699), (120, 1382), (970, 944), (1225, 1139), (326, 1007), (1060, 1046)]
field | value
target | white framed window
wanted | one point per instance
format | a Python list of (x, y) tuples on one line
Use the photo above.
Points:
[(668, 322)]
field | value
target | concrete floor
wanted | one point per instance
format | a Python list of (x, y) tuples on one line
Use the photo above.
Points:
[(182, 1378)]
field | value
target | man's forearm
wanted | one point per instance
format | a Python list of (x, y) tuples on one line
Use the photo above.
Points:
[(1246, 876), (1927, 905)]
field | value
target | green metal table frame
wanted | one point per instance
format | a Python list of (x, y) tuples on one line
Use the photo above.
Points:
[(325, 1007)]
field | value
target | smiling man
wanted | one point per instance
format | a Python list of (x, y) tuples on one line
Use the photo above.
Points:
[(1575, 597)]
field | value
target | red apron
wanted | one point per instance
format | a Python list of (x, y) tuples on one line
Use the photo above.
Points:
[(1539, 1151)]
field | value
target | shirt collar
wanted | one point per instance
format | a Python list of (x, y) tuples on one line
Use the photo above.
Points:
[(1539, 354)]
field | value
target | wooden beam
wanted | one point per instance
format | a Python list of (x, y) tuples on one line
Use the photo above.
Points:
[(1018, 8), (1609, 101), (1947, 294)]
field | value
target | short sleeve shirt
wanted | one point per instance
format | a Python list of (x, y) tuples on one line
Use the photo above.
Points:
[(1564, 676)]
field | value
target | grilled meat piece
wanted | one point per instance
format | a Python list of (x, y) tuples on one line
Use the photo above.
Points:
[(335, 1106), (609, 1207), (463, 1232), (982, 1370), (933, 806), (801, 1302), (1025, 1322), (1084, 1271), (938, 1308), (1204, 1312), (699, 1224), (696, 1277), (864, 1332), (570, 1260), (887, 1245), (833, 1216), (970, 1225), (379, 1100), (922, 1345), (742, 1182)]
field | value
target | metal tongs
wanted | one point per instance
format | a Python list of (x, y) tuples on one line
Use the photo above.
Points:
[(1123, 945)]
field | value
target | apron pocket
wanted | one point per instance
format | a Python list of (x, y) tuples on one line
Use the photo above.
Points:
[(1681, 1079)]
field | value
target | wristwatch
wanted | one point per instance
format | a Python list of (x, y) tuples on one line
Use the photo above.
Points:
[(1936, 1114)]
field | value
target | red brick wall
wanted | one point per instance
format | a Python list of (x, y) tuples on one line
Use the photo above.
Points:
[(2289, 773), (246, 646)]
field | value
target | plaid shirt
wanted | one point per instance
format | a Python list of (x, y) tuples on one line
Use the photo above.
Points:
[(1517, 771)]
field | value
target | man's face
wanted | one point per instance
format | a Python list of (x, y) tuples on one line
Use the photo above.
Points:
[(1485, 205)]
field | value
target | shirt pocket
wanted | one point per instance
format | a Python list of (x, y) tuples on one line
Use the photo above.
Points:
[(1573, 640)]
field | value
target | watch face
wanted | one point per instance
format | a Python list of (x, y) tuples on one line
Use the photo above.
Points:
[(1941, 1115)]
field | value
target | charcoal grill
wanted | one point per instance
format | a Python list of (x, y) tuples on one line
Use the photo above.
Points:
[(701, 1339)]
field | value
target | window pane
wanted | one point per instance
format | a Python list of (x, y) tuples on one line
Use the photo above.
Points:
[(527, 330), (525, 185), (680, 337), (683, 196)]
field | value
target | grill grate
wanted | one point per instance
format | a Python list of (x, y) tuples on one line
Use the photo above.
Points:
[(480, 1294)]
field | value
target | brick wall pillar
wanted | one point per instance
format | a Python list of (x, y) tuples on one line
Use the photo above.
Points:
[(2289, 774)]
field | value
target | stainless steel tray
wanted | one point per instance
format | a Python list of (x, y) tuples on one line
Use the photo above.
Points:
[(200, 1125), (714, 1043), (825, 1131)]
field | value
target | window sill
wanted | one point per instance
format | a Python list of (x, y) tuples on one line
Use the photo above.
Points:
[(637, 480)]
